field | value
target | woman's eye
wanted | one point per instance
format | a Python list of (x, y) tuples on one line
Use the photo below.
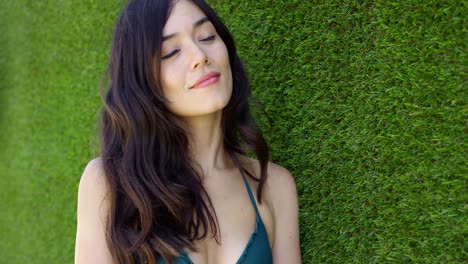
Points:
[(209, 38), (174, 52), (170, 54)]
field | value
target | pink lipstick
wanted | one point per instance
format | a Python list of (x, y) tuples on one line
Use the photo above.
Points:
[(206, 80)]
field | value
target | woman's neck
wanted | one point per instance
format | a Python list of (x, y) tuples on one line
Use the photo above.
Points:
[(206, 142)]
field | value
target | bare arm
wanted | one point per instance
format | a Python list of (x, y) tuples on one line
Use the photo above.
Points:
[(91, 246), (286, 245)]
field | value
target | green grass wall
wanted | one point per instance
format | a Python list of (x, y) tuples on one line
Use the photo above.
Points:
[(367, 101)]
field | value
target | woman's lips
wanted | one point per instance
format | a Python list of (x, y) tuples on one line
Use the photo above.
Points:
[(206, 80)]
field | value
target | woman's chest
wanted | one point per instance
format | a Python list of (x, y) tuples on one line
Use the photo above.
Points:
[(237, 223)]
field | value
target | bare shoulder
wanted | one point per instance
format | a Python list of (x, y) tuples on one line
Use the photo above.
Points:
[(281, 189), (93, 176), (280, 186), (281, 194), (92, 192), (92, 211), (286, 246), (279, 181)]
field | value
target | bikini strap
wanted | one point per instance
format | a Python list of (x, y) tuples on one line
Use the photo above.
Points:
[(252, 199)]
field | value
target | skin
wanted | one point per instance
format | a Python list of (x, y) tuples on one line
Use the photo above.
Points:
[(189, 53), (195, 57)]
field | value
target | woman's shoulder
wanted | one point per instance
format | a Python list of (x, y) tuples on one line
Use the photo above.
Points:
[(278, 176), (95, 165), (93, 176), (93, 188), (92, 210), (280, 183)]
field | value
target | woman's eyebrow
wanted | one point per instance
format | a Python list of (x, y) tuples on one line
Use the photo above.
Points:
[(196, 24)]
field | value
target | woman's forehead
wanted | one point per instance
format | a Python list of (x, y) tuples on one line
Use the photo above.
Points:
[(184, 14)]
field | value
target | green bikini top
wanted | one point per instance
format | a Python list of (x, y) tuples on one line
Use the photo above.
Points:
[(257, 250)]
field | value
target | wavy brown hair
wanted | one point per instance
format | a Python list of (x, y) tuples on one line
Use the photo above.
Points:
[(158, 205)]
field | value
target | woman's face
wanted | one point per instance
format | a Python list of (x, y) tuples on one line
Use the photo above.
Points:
[(192, 52)]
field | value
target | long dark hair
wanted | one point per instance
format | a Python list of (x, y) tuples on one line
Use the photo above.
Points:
[(158, 205)]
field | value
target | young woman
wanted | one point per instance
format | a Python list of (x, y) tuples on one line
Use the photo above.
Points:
[(173, 183)]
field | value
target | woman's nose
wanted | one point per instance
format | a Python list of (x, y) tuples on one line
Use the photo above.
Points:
[(199, 56)]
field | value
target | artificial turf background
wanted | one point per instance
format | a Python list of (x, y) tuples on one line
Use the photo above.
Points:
[(368, 108)]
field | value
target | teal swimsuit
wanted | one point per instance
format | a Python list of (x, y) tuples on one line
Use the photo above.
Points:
[(257, 250)]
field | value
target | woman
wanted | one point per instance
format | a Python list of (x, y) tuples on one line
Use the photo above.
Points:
[(173, 183)]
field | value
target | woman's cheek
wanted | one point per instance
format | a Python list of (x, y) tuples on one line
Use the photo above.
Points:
[(223, 53), (171, 73)]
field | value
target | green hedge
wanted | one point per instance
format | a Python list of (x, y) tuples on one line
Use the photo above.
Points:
[(367, 101)]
